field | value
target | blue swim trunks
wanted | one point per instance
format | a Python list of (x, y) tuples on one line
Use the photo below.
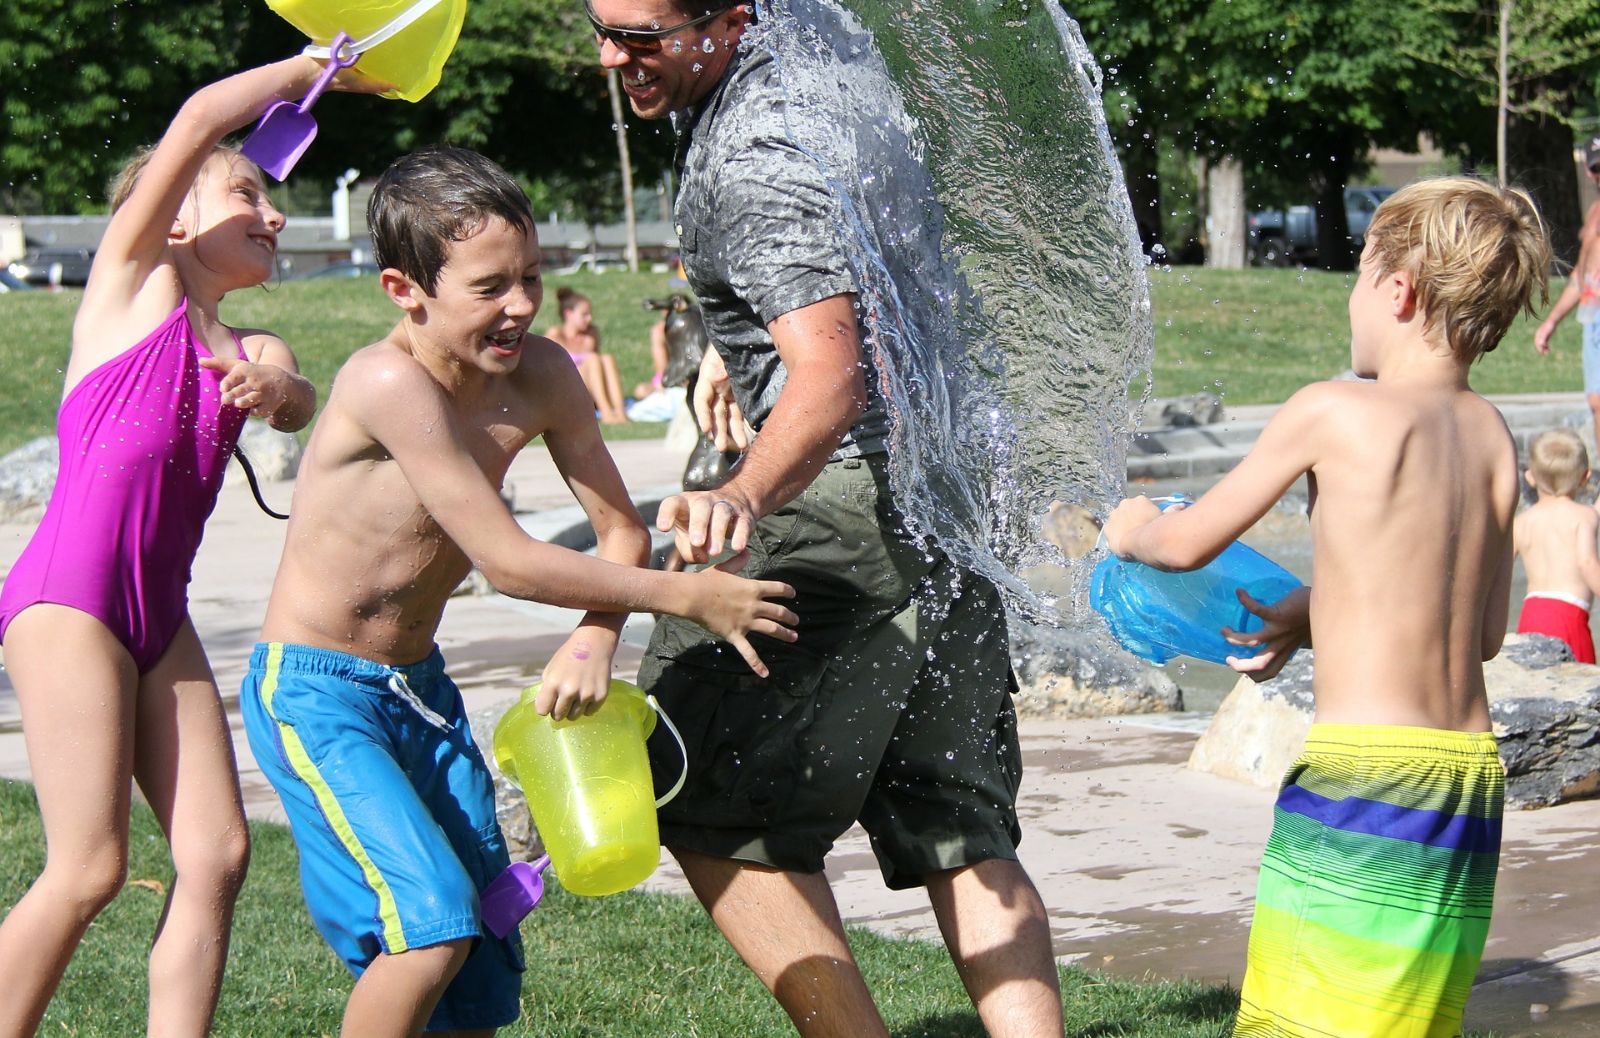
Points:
[(1591, 355), (392, 808)]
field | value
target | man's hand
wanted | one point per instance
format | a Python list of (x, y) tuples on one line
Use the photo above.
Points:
[(705, 522), (1287, 627), (715, 409)]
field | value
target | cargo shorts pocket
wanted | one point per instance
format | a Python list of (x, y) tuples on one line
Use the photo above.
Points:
[(745, 735)]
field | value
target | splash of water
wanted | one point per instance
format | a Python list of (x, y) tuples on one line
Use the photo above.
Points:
[(999, 270)]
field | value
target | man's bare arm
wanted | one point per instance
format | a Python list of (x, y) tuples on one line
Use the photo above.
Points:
[(824, 393)]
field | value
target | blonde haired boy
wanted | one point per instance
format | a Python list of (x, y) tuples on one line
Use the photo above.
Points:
[(1377, 882), (1556, 538)]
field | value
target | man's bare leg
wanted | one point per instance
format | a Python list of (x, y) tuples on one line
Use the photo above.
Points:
[(786, 928), (995, 926), (397, 993)]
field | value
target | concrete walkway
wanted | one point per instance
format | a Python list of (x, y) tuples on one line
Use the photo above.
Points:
[(1148, 869)]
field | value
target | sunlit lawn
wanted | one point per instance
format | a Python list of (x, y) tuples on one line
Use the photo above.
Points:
[(1254, 335), (628, 966)]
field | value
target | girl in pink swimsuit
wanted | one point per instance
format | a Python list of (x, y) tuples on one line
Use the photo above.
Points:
[(581, 339), (112, 681)]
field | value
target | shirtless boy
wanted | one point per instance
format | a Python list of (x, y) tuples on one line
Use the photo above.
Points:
[(1556, 539), (347, 704), (1377, 882)]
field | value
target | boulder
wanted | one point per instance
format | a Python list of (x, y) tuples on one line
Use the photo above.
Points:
[(27, 477), (1543, 706), (510, 806), (1070, 673), (274, 455)]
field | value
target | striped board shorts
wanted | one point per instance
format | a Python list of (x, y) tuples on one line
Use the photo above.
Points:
[(1376, 886)]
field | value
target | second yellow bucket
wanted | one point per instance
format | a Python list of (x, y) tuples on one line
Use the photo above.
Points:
[(588, 785), (403, 42)]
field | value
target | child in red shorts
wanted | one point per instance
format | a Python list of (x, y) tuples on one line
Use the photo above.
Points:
[(1555, 538)]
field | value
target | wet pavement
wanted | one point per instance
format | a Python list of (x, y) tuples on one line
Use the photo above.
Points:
[(1148, 869)]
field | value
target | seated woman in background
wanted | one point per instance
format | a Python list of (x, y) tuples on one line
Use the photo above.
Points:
[(581, 339)]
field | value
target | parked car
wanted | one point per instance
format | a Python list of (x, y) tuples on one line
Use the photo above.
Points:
[(342, 269), (1279, 239), (55, 266), (10, 282)]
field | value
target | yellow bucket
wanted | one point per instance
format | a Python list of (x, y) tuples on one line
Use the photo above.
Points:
[(588, 785), (404, 42)]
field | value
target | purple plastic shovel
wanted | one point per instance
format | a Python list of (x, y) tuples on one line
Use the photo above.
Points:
[(287, 129), (512, 894)]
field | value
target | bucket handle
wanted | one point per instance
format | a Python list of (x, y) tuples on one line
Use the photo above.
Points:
[(399, 23), (677, 787)]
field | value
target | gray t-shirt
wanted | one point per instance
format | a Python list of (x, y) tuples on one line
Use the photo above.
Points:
[(761, 235)]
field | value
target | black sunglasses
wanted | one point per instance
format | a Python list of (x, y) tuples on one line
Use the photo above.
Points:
[(643, 41)]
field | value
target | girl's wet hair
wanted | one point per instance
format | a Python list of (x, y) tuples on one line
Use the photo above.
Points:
[(433, 197), (120, 188), (567, 298), (1476, 253)]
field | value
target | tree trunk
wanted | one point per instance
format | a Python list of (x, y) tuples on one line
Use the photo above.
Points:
[(614, 88), (1144, 190), (1540, 154), (1333, 223), (1502, 74), (1225, 203)]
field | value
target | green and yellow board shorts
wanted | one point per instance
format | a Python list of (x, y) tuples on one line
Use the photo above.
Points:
[(1376, 886)]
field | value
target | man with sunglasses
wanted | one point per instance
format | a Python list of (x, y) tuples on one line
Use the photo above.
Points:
[(894, 708)]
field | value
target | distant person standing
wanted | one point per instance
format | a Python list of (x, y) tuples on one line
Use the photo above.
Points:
[(1555, 539), (1583, 294), (578, 335), (1591, 162)]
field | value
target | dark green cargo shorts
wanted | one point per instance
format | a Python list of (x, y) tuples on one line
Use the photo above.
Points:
[(894, 707)]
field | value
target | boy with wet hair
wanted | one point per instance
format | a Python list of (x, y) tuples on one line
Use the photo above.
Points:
[(1377, 882), (347, 705), (1556, 539)]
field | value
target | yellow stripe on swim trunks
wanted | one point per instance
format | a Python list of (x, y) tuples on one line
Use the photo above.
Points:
[(394, 937)]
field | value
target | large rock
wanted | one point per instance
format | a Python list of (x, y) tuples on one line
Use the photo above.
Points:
[(274, 455), (1543, 706), (1070, 673), (510, 806), (27, 477)]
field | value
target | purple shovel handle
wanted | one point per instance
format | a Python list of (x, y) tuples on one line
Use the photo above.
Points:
[(336, 60), (513, 894)]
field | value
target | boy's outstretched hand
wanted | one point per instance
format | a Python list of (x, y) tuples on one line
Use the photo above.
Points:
[(1287, 626), (578, 676), (732, 607)]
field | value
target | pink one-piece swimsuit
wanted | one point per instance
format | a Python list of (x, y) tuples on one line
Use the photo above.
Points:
[(144, 441)]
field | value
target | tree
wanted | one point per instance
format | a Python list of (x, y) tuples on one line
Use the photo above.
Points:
[(84, 82)]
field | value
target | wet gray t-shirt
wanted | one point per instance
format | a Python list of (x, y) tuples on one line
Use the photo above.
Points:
[(761, 235)]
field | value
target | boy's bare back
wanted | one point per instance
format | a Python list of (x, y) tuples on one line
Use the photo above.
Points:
[(1555, 537), (1414, 493), (367, 566)]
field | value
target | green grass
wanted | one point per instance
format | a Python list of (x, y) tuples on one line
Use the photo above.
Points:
[(1253, 335), (628, 966)]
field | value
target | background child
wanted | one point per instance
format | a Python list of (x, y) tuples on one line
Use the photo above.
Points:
[(1556, 539), (578, 335), (111, 678), (347, 705), (1377, 882)]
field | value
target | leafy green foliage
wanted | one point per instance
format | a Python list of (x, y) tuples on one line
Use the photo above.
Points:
[(84, 82)]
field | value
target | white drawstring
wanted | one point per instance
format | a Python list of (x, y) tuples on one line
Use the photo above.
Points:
[(399, 686)]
